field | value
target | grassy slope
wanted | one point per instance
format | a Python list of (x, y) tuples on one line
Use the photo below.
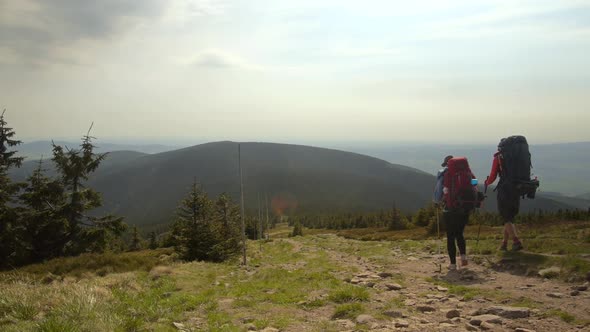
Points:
[(285, 283)]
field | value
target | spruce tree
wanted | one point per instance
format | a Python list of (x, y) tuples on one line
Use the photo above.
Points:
[(10, 229), (297, 229), (251, 228), (135, 240), (45, 227), (192, 229), (153, 244), (84, 233), (396, 221), (226, 229)]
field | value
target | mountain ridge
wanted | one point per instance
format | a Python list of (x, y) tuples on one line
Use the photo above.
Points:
[(146, 188)]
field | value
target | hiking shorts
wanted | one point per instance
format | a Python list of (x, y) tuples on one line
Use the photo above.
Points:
[(508, 202)]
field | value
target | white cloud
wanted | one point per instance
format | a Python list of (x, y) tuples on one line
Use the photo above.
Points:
[(45, 31), (361, 52), (183, 11), (509, 18), (214, 58)]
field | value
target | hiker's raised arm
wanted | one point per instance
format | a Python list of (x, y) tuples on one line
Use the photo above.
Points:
[(494, 172)]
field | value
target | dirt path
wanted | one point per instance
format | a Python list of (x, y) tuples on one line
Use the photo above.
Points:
[(474, 298)]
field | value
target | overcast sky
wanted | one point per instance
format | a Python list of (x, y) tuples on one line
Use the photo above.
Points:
[(300, 71)]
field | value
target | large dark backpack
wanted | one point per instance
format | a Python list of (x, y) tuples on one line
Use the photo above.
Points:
[(462, 195), (516, 165)]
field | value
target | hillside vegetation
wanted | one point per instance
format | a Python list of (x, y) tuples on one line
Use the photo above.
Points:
[(314, 282)]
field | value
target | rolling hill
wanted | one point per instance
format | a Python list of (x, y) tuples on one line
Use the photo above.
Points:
[(563, 168), (38, 149), (146, 188)]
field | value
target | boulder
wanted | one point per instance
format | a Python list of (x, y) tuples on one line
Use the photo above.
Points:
[(394, 314), (401, 324), (446, 325), (478, 320), (486, 326), (345, 323), (393, 286), (508, 312), (453, 313), (409, 302), (364, 319), (425, 308)]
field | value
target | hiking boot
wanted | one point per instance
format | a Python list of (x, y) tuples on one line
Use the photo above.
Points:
[(517, 246), (504, 247), (452, 267), (464, 262)]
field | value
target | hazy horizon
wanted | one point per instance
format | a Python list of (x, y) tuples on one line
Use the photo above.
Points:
[(184, 142), (452, 71)]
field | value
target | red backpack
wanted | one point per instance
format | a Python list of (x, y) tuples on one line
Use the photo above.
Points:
[(462, 194)]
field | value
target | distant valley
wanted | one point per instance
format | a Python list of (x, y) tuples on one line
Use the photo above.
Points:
[(146, 188), (562, 168)]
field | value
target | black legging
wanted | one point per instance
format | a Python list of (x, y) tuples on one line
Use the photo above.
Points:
[(455, 223)]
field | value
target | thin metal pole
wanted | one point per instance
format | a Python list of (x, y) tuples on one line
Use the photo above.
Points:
[(259, 223), (259, 219), (242, 205), (267, 224)]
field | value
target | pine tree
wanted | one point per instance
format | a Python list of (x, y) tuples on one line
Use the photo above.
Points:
[(10, 228), (84, 233), (192, 229)]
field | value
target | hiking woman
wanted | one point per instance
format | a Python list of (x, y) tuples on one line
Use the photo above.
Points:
[(454, 219)]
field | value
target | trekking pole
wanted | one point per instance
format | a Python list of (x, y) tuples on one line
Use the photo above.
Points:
[(485, 190), (438, 239), (478, 233)]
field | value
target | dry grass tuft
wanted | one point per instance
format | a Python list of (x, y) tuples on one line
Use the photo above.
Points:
[(159, 271)]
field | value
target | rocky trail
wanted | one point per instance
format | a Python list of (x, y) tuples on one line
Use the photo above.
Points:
[(479, 297)]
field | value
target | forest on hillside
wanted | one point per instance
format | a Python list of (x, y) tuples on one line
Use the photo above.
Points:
[(57, 212)]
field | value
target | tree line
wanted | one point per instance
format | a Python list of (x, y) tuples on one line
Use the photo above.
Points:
[(44, 217), (47, 217), (425, 217)]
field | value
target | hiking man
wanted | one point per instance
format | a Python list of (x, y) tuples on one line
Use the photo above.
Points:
[(512, 163), (450, 194)]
